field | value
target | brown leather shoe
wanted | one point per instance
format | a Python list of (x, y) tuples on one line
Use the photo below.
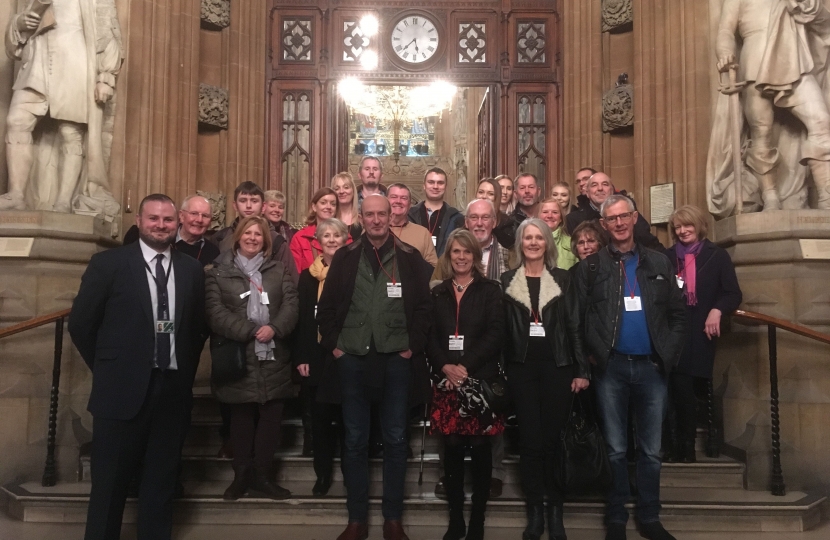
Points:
[(355, 531), (393, 530)]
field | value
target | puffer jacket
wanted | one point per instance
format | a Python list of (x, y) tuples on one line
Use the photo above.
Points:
[(227, 316), (553, 303), (598, 291)]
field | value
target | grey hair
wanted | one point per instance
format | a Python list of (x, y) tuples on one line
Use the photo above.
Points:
[(614, 199), (186, 201), (550, 246), (492, 206), (331, 223)]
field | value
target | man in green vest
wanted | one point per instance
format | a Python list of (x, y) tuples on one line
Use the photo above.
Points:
[(374, 320)]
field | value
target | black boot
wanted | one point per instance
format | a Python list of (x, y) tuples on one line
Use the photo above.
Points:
[(321, 486), (556, 526), (535, 522), (240, 484), (672, 447), (454, 482), (482, 469), (263, 485), (689, 455)]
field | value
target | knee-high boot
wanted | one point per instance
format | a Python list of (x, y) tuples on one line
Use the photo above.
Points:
[(482, 469), (454, 482)]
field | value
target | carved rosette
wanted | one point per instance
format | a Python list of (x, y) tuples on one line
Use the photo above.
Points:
[(218, 204), (616, 13), (216, 13), (213, 106), (618, 108)]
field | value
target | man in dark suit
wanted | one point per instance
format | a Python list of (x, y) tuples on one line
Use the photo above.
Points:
[(138, 322)]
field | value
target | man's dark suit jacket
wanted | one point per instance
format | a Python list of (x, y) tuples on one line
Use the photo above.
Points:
[(111, 324)]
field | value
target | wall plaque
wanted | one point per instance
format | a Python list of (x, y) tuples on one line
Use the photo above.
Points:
[(812, 248), (16, 247), (662, 202)]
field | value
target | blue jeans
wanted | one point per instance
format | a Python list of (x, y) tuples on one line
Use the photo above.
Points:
[(638, 381), (394, 398)]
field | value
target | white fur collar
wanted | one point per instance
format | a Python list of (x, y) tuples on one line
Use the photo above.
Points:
[(548, 289)]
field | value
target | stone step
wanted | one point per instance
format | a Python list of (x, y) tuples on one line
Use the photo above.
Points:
[(720, 472), (684, 509)]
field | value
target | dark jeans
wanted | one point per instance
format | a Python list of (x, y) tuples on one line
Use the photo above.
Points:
[(357, 398), (155, 436), (254, 442), (638, 379), (542, 398)]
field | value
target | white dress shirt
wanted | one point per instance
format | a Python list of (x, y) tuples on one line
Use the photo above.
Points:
[(150, 258)]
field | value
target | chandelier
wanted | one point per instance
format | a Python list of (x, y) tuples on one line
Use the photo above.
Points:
[(395, 104)]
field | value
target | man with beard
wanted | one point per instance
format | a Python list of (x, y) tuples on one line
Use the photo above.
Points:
[(400, 197), (139, 323), (527, 206), (439, 218), (370, 172)]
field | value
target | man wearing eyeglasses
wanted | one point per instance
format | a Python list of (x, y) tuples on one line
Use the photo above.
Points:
[(634, 326), (194, 220)]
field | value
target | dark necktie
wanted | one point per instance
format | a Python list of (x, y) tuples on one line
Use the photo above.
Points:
[(163, 313)]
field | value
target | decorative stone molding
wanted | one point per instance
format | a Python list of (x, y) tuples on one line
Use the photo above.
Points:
[(618, 106), (216, 13), (218, 207), (213, 106), (472, 42), (616, 13), (531, 42), (297, 39)]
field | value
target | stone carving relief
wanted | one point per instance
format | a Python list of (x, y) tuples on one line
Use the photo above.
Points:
[(531, 42), (472, 43), (213, 106), (216, 13), (62, 165), (297, 39), (618, 106), (777, 72), (218, 208), (355, 41), (616, 13)]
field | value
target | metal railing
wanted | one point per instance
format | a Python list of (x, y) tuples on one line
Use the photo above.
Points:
[(50, 475)]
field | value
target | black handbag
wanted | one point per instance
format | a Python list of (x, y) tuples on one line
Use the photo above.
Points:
[(227, 358), (582, 465), (495, 393)]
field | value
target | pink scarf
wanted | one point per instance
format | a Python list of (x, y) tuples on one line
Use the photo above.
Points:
[(689, 270)]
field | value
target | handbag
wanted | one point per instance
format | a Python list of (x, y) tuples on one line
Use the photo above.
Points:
[(227, 358), (582, 464), (495, 393)]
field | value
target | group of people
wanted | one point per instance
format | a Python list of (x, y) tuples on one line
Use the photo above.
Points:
[(378, 306)]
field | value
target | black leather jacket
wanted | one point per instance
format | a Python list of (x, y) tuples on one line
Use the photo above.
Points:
[(559, 326), (598, 303)]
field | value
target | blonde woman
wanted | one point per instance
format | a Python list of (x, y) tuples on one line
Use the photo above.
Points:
[(344, 187), (274, 211)]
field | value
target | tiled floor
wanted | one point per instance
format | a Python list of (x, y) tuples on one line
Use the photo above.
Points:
[(16, 530)]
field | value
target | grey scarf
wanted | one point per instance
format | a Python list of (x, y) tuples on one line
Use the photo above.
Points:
[(257, 311)]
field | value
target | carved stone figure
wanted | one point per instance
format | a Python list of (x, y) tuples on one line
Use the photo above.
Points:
[(216, 13), (213, 106), (783, 60), (218, 208), (618, 105), (616, 13), (70, 53)]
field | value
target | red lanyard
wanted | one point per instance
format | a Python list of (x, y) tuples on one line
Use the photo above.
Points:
[(392, 277), (536, 315), (631, 288), (457, 312), (437, 216)]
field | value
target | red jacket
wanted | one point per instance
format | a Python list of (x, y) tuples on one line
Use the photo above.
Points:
[(305, 247)]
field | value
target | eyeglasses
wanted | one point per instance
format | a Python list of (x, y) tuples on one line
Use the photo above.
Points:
[(622, 218), (484, 219), (195, 215)]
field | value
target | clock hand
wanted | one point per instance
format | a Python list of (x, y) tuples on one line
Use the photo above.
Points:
[(410, 43)]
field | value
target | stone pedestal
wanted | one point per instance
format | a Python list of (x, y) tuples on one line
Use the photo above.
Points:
[(780, 277), (43, 282)]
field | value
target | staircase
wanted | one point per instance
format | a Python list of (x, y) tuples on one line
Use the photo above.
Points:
[(705, 496)]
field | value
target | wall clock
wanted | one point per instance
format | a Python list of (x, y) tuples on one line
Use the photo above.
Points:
[(416, 40)]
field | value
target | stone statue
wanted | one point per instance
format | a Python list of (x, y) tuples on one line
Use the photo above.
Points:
[(70, 53), (784, 62)]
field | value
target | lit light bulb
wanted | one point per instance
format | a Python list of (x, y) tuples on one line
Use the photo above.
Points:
[(349, 87), (369, 60), (369, 25)]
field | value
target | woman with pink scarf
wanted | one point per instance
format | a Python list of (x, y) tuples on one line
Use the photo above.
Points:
[(707, 276)]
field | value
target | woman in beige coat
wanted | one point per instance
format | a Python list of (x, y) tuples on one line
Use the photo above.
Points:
[(250, 298)]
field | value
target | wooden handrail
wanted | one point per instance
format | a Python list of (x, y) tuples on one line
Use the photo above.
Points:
[(760, 318), (33, 323)]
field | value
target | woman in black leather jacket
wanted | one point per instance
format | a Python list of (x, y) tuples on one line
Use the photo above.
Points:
[(541, 372)]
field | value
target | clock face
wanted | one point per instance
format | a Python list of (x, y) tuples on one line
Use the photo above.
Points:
[(415, 39)]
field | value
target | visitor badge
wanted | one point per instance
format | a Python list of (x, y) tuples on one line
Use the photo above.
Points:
[(434, 240), (456, 343), (263, 298), (246, 294), (315, 311), (165, 327), (537, 330), (633, 304), (680, 281), (393, 290)]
